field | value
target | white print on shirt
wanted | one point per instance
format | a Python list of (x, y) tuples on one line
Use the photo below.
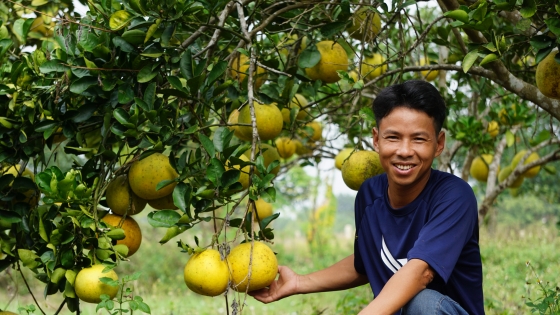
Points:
[(393, 264)]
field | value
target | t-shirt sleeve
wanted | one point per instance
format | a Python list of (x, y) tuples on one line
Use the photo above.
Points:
[(452, 220), (359, 205)]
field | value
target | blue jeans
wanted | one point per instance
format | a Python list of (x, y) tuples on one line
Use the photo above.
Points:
[(430, 302)]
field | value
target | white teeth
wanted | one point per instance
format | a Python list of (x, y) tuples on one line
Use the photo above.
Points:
[(404, 167)]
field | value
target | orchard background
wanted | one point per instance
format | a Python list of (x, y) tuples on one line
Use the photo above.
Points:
[(85, 96)]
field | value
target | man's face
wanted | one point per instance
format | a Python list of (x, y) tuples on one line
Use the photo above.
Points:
[(407, 144)]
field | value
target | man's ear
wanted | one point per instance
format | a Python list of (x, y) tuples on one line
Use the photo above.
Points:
[(440, 142), (375, 133)]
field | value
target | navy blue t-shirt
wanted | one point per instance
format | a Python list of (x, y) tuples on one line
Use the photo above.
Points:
[(439, 227)]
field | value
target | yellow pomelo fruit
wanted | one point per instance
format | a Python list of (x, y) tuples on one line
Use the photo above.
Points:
[(162, 203), (333, 58), (40, 26), (270, 154), (31, 195), (206, 273), (7, 313), (243, 172), (429, 75), (269, 121), (145, 174), (354, 75), (371, 66), (89, 288), (342, 156), (493, 128), (479, 167), (315, 134), (120, 198), (360, 166), (533, 171), (300, 102), (302, 149), (240, 68), (259, 258), (364, 19), (286, 147), (504, 173), (264, 209), (232, 121), (132, 232), (548, 76)]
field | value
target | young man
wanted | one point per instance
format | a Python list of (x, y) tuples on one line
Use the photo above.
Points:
[(416, 228)]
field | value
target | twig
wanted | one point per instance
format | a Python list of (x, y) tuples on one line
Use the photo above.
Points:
[(28, 288)]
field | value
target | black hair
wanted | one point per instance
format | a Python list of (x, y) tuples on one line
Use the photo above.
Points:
[(414, 94)]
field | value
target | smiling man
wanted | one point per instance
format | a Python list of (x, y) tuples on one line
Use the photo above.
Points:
[(416, 227)]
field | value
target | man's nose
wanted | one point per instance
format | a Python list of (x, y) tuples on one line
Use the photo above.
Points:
[(405, 148)]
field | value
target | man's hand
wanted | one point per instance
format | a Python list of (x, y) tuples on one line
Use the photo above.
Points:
[(286, 285)]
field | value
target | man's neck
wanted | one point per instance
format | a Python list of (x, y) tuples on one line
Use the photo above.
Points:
[(400, 196)]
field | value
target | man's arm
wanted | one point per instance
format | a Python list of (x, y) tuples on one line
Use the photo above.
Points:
[(412, 278), (342, 275)]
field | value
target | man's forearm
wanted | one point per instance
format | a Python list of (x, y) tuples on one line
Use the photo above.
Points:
[(339, 276), (412, 278)]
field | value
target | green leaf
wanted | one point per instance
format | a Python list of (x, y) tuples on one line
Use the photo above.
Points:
[(214, 171), (146, 74), (217, 71), (553, 25), (543, 53), (57, 275), (207, 144), (469, 60), (181, 193), (82, 84), (163, 218), (28, 258), (53, 66), (541, 42), (528, 9), (266, 221), (458, 15), (186, 64), (116, 234), (122, 117), (309, 57), (5, 44), (542, 136), (366, 113), (150, 95), (85, 112), (489, 58), (330, 29), (230, 177), (119, 42), (120, 19), (222, 138), (9, 216), (167, 34)]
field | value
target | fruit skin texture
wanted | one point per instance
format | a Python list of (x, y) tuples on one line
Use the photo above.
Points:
[(269, 121), (145, 174), (299, 101), (493, 128), (429, 75), (206, 273), (88, 287), (360, 166), (286, 147), (270, 154), (132, 232), (533, 171), (240, 68), (361, 20), (504, 173), (165, 202), (370, 66), (479, 167), (548, 76), (121, 199), (264, 267), (333, 58), (264, 209), (341, 157), (317, 131), (233, 120)]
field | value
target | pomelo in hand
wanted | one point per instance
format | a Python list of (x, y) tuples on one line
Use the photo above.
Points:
[(258, 258)]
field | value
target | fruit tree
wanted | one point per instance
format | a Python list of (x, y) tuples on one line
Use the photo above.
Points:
[(189, 107)]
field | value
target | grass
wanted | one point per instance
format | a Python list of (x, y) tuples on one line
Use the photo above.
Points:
[(508, 282)]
